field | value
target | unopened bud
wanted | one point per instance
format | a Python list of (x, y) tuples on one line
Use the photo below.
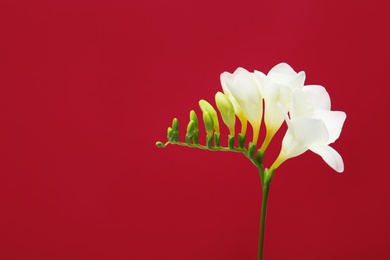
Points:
[(208, 123), (227, 111), (175, 125), (191, 129), (206, 107), (160, 145), (170, 134), (194, 118)]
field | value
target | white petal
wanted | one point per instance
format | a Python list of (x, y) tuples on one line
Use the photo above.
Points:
[(333, 120), (284, 74), (286, 118), (308, 99), (302, 133), (223, 78), (291, 147), (310, 131), (261, 79), (274, 95), (298, 80), (281, 69), (330, 156), (244, 88)]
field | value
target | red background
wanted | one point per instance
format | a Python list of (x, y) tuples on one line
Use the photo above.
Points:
[(88, 87)]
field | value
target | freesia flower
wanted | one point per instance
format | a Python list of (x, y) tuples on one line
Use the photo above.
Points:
[(277, 88), (306, 109), (312, 126), (243, 90)]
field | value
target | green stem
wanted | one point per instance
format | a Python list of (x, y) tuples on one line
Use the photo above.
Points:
[(264, 201)]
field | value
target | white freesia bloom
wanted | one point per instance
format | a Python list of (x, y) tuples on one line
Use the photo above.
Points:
[(277, 88), (243, 90), (312, 126)]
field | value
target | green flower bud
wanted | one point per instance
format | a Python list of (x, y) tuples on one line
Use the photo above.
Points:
[(206, 107), (170, 134), (194, 118), (175, 125), (191, 129), (208, 123), (160, 145), (226, 109)]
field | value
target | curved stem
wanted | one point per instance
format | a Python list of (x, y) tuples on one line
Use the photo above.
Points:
[(264, 201)]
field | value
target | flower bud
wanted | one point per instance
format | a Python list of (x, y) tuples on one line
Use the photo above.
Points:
[(208, 123), (175, 125), (206, 107), (170, 134), (191, 129), (194, 117), (160, 145), (227, 111)]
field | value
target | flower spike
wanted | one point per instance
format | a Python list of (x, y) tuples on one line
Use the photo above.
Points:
[(305, 109)]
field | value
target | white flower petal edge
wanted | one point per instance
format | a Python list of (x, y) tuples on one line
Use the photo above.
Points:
[(330, 156), (245, 89), (285, 74), (333, 120)]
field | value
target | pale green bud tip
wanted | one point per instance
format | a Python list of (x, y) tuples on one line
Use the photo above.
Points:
[(194, 118), (160, 145), (175, 124), (208, 123), (205, 106)]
